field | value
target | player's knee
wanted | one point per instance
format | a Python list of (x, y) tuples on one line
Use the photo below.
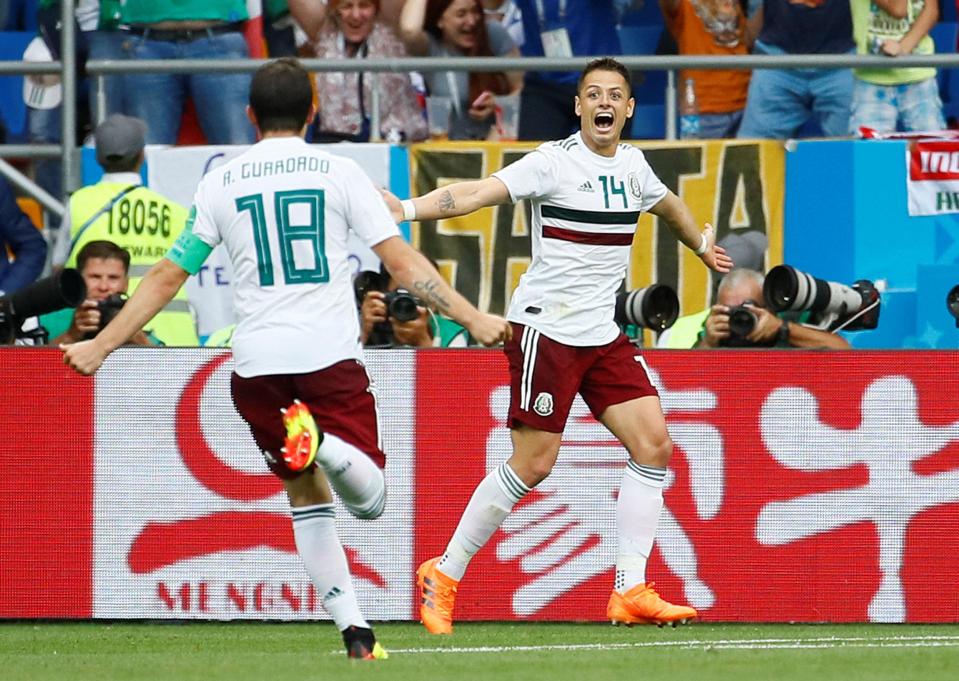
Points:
[(536, 471), (661, 451), (370, 511), (653, 451)]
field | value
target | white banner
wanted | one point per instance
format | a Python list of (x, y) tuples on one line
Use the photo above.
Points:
[(932, 177), (175, 173), (190, 524)]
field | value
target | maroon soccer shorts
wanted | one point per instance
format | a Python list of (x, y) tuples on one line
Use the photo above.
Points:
[(338, 396), (545, 376)]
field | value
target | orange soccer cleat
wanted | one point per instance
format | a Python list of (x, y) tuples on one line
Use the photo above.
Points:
[(437, 597), (302, 437), (642, 605)]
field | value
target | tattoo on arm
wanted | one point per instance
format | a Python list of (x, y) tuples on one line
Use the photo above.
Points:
[(446, 202), (429, 291)]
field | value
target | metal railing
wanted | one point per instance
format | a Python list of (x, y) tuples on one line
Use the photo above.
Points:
[(97, 69)]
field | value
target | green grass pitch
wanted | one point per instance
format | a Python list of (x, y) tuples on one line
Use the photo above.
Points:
[(99, 651)]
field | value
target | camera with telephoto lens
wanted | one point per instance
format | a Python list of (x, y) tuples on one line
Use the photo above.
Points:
[(952, 303), (64, 289), (655, 307), (401, 305), (831, 306), (108, 308)]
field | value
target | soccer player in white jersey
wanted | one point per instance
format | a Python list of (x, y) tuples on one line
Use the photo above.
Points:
[(282, 210), (587, 193)]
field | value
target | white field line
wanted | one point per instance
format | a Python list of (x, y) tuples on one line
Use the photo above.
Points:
[(723, 644)]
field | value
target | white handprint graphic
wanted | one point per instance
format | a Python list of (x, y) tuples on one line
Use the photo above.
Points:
[(890, 438), (566, 535)]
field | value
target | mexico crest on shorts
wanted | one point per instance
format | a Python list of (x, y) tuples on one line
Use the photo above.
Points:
[(634, 187), (543, 404)]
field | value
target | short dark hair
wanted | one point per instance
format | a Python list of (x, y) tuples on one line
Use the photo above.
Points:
[(281, 94), (606, 64), (127, 164), (105, 250)]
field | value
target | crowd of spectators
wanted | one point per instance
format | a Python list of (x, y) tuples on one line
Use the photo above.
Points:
[(766, 103)]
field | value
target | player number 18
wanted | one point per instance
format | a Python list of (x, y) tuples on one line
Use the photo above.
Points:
[(287, 233)]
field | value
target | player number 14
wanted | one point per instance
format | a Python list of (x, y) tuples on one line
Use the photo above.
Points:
[(610, 186)]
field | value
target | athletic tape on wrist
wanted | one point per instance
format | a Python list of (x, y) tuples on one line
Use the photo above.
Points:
[(409, 210), (703, 245)]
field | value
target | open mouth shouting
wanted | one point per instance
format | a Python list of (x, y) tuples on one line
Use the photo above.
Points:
[(604, 121)]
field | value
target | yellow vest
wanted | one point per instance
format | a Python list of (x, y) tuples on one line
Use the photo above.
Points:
[(146, 224), (685, 332)]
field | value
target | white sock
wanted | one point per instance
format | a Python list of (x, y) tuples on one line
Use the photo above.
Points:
[(491, 502), (357, 480), (322, 553), (637, 517)]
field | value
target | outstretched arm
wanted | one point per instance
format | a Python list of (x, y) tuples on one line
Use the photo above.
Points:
[(156, 290), (679, 218), (450, 201), (411, 269), (411, 28), (310, 15)]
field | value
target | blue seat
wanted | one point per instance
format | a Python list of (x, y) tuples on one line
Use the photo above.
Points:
[(12, 108), (639, 39), (649, 122), (652, 89), (947, 12), (645, 40), (648, 14)]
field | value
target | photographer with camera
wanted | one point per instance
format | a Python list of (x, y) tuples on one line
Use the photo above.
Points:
[(391, 316), (741, 318), (118, 208), (105, 268)]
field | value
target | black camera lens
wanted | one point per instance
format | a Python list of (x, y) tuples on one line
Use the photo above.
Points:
[(402, 305), (742, 321), (109, 307)]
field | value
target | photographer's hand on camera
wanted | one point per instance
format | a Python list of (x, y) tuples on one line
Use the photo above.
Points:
[(767, 328), (372, 312), (414, 333), (716, 328), (86, 322)]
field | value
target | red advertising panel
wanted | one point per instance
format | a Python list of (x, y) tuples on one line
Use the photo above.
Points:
[(805, 487), (46, 488)]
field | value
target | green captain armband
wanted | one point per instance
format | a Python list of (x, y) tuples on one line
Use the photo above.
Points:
[(189, 251)]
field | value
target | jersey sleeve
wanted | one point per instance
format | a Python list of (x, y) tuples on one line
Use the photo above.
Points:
[(532, 176), (199, 235), (366, 211), (653, 188)]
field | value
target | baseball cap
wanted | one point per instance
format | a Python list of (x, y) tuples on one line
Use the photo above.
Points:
[(119, 137), (41, 91), (747, 249)]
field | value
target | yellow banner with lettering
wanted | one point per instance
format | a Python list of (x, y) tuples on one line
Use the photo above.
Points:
[(735, 186)]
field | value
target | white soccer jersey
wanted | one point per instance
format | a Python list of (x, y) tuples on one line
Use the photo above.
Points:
[(585, 208), (282, 210)]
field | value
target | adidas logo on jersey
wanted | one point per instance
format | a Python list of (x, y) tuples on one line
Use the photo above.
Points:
[(586, 187)]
